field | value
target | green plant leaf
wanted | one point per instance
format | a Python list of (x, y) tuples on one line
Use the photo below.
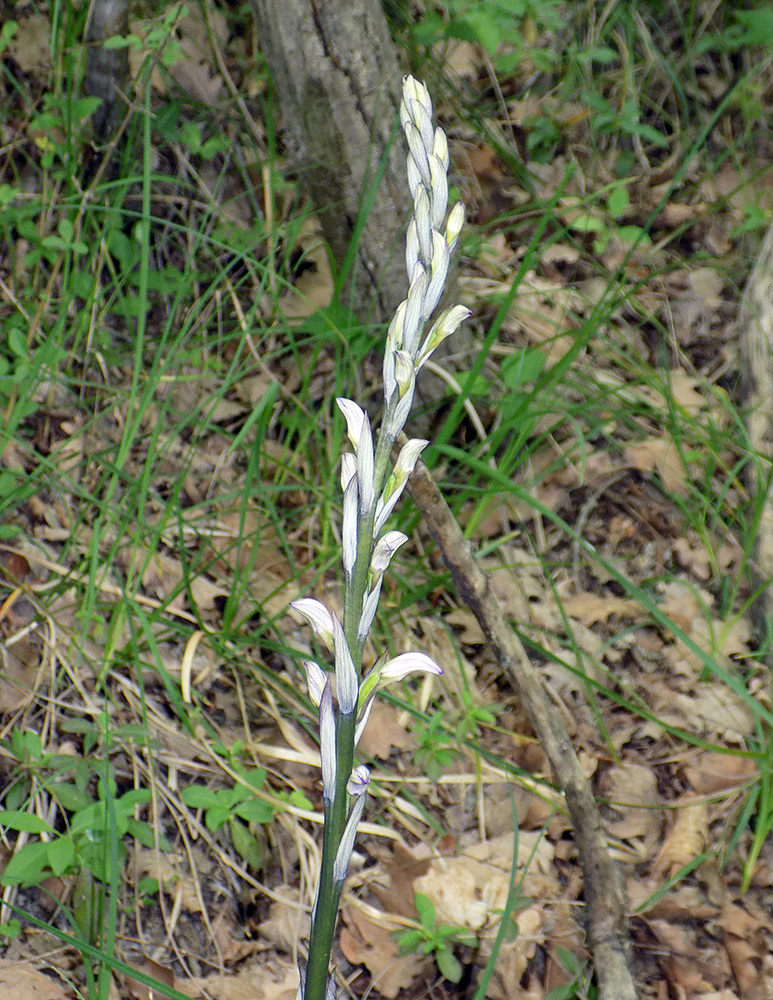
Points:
[(61, 855), (216, 817), (255, 811), (409, 941), (246, 845), (426, 910), (27, 865), (524, 366), (758, 24), (587, 224), (199, 797), (618, 200), (449, 965), (19, 819)]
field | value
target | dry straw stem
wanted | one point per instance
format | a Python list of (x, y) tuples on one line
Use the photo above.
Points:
[(605, 902)]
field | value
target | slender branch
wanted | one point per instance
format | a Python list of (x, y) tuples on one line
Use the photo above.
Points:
[(605, 900)]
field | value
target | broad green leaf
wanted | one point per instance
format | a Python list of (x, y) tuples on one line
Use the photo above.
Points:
[(449, 965), (19, 819), (246, 845), (524, 366), (199, 797), (27, 865), (255, 811), (426, 910), (618, 200), (61, 855)]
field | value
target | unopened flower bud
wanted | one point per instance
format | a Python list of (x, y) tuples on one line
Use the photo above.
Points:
[(454, 224), (316, 678), (318, 616)]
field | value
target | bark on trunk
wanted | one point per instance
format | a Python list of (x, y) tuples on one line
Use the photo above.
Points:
[(338, 82), (107, 70), (755, 327)]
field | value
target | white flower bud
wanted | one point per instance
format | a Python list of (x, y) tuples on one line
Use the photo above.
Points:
[(439, 189), (423, 219), (318, 616), (439, 272), (316, 678), (418, 153), (446, 324), (369, 608), (384, 550), (350, 526), (347, 684), (414, 310), (359, 781), (454, 224), (408, 663), (348, 469), (406, 461), (440, 147), (356, 420), (327, 742), (411, 247), (346, 845), (404, 372)]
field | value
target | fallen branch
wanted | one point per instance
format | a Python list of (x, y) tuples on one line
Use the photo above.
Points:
[(606, 910)]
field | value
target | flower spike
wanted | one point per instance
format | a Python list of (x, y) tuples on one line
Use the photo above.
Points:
[(370, 493)]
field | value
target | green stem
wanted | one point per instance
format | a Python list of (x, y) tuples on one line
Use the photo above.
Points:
[(328, 891), (336, 814)]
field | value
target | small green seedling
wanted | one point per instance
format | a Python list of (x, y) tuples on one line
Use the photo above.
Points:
[(430, 937), (436, 750), (232, 806)]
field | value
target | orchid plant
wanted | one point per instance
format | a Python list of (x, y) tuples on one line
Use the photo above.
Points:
[(370, 493)]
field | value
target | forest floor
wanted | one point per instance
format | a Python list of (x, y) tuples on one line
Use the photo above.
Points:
[(169, 454)]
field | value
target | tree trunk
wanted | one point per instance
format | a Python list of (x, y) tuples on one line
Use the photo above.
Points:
[(338, 84), (107, 70), (755, 328)]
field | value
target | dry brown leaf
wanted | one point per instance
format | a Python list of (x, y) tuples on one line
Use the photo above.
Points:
[(696, 307), (23, 982), (471, 634), (170, 869), (544, 312), (286, 924), (19, 672), (709, 773), (195, 72), (686, 839), (468, 888), (683, 902), (30, 47), (384, 731), (141, 991), (396, 893), (462, 58), (632, 792), (712, 708), (590, 608), (692, 555), (514, 956), (659, 454), (277, 980), (313, 288), (367, 941)]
